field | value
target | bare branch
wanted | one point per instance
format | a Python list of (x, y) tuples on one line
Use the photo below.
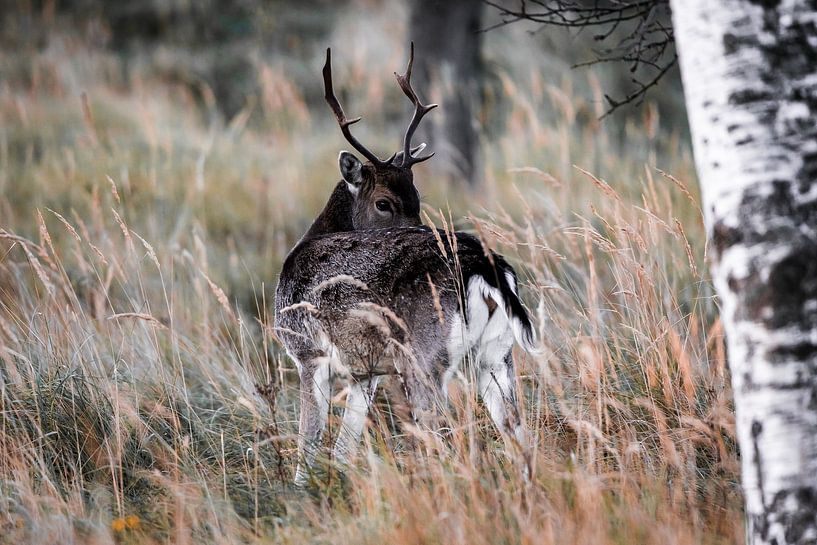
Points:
[(647, 44)]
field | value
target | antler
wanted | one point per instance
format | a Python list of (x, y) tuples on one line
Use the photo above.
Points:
[(419, 111), (338, 110)]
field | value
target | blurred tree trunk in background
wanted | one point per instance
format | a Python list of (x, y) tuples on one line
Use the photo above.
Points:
[(447, 68), (750, 76)]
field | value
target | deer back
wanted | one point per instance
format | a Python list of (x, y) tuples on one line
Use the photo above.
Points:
[(394, 285)]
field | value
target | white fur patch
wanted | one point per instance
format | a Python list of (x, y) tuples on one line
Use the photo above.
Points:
[(358, 402), (457, 346), (333, 361), (525, 337), (321, 385), (478, 312), (488, 336), (478, 289), (511, 281), (353, 189)]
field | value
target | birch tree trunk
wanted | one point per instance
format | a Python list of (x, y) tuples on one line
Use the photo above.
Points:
[(750, 77)]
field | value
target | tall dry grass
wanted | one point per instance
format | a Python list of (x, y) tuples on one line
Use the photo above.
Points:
[(143, 395)]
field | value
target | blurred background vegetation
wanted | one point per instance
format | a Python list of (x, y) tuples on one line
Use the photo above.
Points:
[(158, 159), (220, 42), (246, 74)]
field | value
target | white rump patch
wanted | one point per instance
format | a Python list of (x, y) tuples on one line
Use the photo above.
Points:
[(478, 290), (490, 335)]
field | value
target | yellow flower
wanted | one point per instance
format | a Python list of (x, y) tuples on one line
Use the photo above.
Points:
[(118, 525), (127, 523)]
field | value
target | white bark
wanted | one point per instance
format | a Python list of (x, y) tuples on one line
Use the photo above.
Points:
[(750, 77)]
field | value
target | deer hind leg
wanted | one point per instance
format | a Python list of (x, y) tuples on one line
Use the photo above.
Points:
[(496, 377), (358, 402), (497, 388), (414, 393), (314, 396), (423, 393)]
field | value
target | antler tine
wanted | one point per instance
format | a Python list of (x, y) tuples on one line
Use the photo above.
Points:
[(420, 110), (332, 100)]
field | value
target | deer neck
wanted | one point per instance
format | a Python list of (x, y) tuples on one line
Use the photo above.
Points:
[(336, 216)]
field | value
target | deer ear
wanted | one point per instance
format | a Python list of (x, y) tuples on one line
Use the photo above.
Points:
[(350, 167)]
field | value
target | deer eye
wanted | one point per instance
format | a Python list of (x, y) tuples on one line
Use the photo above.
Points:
[(383, 205)]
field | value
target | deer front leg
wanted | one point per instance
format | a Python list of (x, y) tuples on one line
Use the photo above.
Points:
[(358, 402), (315, 395)]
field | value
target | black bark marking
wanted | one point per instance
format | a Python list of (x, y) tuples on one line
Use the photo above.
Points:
[(731, 43), (793, 510), (766, 4), (757, 429), (799, 352), (734, 283), (748, 384), (749, 96), (792, 282), (789, 52), (778, 293), (724, 237), (807, 174)]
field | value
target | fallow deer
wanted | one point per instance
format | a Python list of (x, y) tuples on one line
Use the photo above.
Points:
[(369, 292)]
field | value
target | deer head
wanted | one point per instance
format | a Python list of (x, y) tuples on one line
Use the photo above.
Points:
[(383, 192)]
